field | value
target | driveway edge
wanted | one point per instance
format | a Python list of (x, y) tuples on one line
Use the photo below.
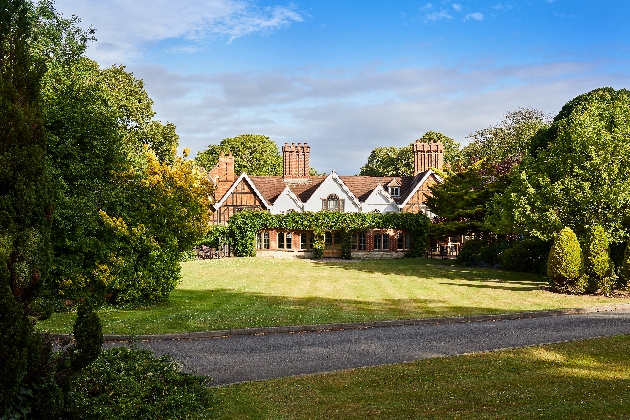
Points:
[(297, 329)]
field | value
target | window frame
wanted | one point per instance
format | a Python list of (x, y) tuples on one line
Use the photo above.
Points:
[(263, 240)]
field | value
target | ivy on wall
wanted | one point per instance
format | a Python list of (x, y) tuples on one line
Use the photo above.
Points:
[(244, 225)]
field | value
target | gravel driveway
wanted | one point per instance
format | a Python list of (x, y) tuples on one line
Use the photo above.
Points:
[(255, 357)]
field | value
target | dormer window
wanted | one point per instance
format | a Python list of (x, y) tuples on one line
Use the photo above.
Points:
[(332, 203), (394, 188)]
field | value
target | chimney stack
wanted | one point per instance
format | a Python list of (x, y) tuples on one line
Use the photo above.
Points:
[(222, 175), (296, 160), (427, 155)]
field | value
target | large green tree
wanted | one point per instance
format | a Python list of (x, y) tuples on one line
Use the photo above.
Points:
[(508, 141), (254, 154), (464, 200), (576, 174), (32, 377), (394, 161)]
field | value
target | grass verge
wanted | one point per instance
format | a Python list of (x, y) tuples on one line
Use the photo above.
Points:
[(257, 292), (577, 380)]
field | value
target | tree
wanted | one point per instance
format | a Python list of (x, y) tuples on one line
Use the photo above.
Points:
[(394, 161), (508, 141), (564, 265), (254, 154), (166, 213), (389, 161), (576, 172), (28, 192), (462, 200)]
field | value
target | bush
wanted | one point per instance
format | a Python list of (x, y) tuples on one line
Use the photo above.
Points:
[(564, 266), (130, 383), (625, 265), (482, 253), (528, 256), (597, 264)]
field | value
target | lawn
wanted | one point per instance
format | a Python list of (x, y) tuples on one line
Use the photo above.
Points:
[(578, 380), (255, 292)]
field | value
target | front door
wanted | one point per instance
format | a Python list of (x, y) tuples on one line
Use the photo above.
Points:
[(332, 245)]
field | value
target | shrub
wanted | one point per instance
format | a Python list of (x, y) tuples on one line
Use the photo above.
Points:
[(625, 265), (482, 253), (564, 265), (528, 256), (130, 383), (597, 264)]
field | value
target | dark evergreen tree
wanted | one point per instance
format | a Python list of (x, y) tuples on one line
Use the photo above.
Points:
[(31, 382)]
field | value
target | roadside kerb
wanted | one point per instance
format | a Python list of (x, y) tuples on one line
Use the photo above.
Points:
[(297, 329)]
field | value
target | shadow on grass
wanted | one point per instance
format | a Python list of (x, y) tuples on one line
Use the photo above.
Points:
[(441, 270), (220, 309)]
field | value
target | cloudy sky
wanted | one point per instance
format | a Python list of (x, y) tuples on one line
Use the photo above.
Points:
[(347, 76)]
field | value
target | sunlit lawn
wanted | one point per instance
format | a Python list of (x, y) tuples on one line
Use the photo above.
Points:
[(254, 292), (578, 380)]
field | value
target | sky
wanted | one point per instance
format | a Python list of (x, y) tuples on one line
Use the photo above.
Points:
[(348, 76)]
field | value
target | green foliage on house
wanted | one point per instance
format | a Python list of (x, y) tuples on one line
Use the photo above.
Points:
[(244, 225)]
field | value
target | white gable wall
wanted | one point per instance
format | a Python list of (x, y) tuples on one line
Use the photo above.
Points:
[(286, 201), (331, 186), (380, 200)]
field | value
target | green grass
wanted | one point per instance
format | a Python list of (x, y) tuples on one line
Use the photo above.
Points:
[(578, 380), (255, 292)]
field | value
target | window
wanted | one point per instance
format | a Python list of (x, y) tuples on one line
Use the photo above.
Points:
[(381, 241), (332, 203), (285, 240), (394, 191), (262, 240), (403, 240), (359, 241), (306, 240)]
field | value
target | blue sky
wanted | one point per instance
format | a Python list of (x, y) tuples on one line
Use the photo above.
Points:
[(349, 76)]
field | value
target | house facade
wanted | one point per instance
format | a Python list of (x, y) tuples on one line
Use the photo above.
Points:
[(296, 191)]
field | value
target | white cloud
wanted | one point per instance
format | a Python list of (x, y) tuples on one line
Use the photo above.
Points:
[(476, 16), (435, 16), (457, 7), (124, 27), (344, 114)]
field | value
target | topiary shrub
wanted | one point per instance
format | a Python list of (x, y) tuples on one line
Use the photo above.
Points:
[(597, 264), (528, 256), (564, 266), (130, 383), (625, 266)]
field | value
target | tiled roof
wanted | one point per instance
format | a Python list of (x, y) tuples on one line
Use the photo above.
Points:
[(361, 186), (269, 186)]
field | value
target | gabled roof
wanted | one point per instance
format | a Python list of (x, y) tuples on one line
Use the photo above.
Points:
[(358, 188), (383, 192), (272, 186), (299, 203), (418, 181), (247, 179)]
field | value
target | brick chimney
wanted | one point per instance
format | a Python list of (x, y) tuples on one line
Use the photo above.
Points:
[(296, 160), (427, 155), (222, 175)]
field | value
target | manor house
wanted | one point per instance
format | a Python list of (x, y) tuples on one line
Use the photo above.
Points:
[(299, 192)]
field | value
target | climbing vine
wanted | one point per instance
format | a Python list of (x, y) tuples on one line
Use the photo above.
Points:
[(244, 225)]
